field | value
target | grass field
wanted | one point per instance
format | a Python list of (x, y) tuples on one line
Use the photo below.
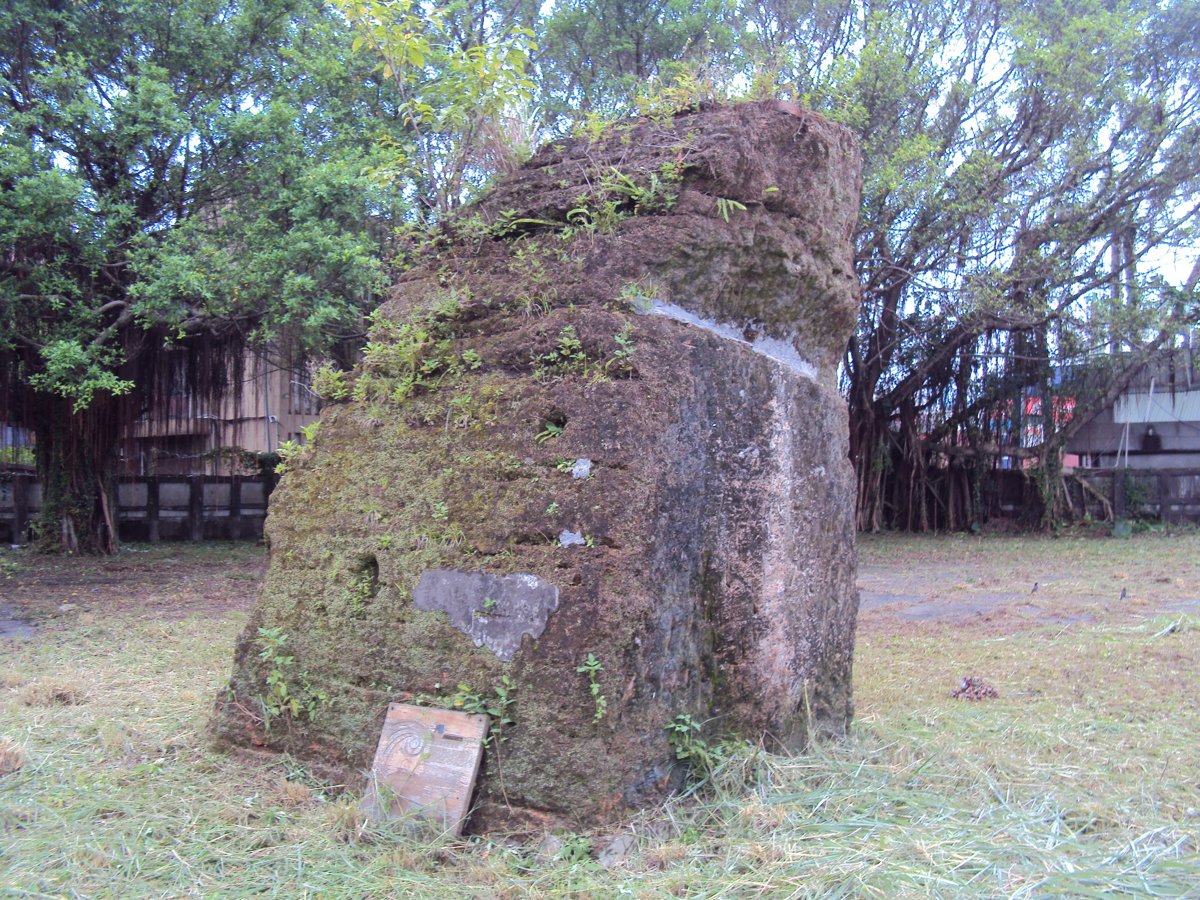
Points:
[(1082, 778)]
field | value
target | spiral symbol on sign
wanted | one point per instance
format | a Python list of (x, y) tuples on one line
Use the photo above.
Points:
[(407, 737)]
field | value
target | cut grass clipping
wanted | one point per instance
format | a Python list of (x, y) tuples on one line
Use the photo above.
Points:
[(1078, 780)]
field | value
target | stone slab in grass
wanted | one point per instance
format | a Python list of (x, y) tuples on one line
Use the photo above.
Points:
[(425, 765)]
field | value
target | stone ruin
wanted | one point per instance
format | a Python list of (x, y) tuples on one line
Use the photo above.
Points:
[(597, 415)]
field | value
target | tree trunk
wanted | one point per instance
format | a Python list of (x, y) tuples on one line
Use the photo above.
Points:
[(76, 458)]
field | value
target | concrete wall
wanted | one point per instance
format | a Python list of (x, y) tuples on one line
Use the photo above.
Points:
[(1126, 425)]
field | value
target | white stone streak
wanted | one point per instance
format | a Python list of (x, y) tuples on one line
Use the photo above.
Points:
[(777, 651), (780, 351)]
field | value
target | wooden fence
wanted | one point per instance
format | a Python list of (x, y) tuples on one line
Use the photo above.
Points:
[(1169, 495), (162, 508)]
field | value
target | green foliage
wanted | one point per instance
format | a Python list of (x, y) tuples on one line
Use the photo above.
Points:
[(1141, 490), (289, 694), (292, 451), (620, 361), (616, 196), (639, 295), (577, 848), (726, 206), (287, 451), (591, 667), (567, 356), (539, 290), (599, 55), (310, 432), (688, 745), (362, 587), (171, 171), (331, 383), (497, 706), (658, 194), (455, 93), (402, 359), (72, 372)]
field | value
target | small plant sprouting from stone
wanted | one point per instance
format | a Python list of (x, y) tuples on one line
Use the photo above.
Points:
[(404, 358), (639, 295), (592, 668), (287, 451), (567, 356), (552, 509), (440, 510), (287, 694), (290, 450), (683, 734), (498, 706), (575, 849), (331, 383), (361, 589), (727, 206), (621, 359)]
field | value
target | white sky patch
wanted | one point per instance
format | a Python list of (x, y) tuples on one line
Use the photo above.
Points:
[(773, 348)]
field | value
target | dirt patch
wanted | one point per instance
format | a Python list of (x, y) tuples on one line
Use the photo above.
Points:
[(1003, 584), (161, 581)]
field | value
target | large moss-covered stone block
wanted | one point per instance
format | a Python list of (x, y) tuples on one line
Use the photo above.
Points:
[(597, 416)]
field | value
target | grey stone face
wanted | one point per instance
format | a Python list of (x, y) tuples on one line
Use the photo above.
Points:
[(495, 612)]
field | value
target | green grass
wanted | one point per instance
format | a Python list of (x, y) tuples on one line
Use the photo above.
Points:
[(1079, 780)]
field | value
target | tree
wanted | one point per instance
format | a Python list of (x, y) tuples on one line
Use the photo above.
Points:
[(460, 76), (1024, 162), (189, 175), (1025, 165), (597, 56)]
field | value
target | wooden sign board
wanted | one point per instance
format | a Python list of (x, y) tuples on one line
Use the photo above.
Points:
[(426, 764)]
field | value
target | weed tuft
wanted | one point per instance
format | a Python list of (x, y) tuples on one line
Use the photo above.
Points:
[(12, 756)]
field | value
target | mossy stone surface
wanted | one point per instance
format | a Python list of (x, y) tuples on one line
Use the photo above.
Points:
[(715, 577)]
